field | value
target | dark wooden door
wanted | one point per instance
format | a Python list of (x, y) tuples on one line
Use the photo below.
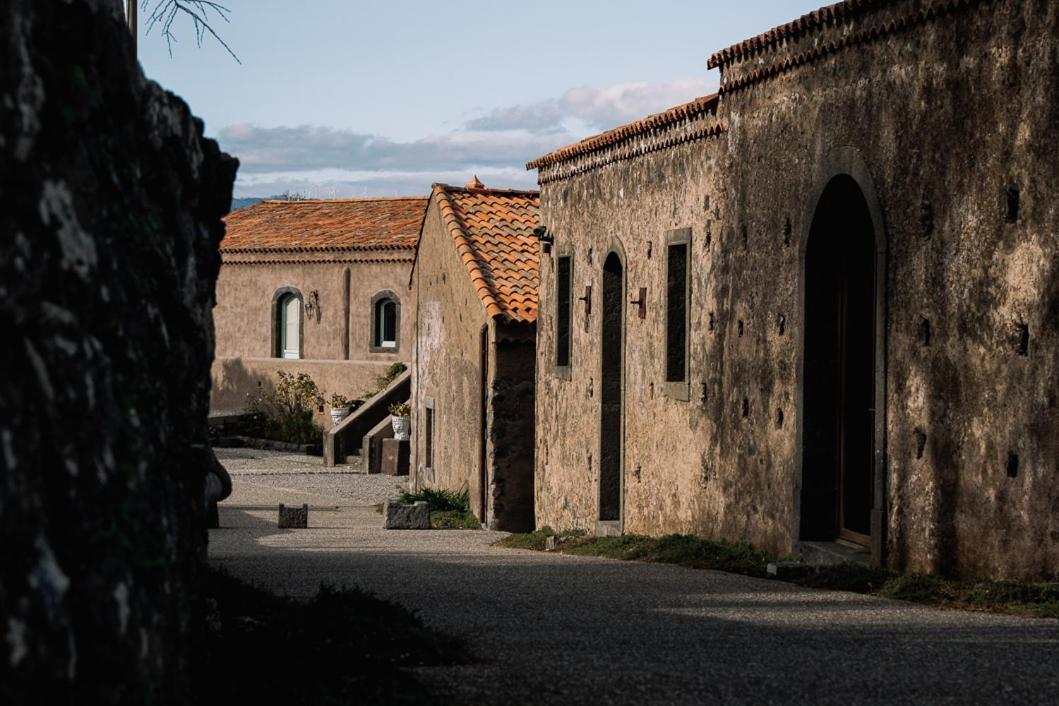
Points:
[(611, 392), (483, 430), (839, 369)]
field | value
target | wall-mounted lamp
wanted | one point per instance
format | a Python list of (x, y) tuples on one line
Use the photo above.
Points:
[(545, 238), (312, 305)]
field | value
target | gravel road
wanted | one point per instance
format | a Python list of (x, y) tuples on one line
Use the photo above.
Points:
[(553, 629)]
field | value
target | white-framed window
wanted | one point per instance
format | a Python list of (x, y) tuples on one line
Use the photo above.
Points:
[(385, 322), (290, 326)]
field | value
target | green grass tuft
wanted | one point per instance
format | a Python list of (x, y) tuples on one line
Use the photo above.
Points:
[(682, 549), (454, 519), (440, 500), (536, 540)]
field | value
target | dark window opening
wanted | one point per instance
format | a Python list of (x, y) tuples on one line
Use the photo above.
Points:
[(1013, 203), (563, 312), (677, 313), (385, 322), (611, 392), (429, 450)]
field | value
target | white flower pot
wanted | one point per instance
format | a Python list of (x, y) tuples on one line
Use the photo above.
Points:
[(338, 414), (402, 427)]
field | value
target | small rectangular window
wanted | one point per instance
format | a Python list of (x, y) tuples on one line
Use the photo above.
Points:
[(563, 311), (429, 451), (677, 295)]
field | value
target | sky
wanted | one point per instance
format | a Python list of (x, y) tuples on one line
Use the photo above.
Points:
[(346, 98)]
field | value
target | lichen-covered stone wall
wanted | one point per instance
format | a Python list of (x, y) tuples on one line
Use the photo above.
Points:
[(948, 121), (108, 254)]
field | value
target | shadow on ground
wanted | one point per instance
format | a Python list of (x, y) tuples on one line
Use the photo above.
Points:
[(549, 628)]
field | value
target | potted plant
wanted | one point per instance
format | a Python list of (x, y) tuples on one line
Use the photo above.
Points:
[(339, 408), (402, 423)]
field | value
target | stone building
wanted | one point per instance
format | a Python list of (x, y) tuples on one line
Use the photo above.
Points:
[(314, 286), (475, 281), (819, 311)]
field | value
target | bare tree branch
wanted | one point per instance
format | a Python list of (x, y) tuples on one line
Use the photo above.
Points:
[(165, 12)]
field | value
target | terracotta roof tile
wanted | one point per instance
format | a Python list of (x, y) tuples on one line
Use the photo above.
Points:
[(492, 230), (698, 106), (340, 224)]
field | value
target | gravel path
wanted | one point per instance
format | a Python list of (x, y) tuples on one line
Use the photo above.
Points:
[(297, 475), (557, 629)]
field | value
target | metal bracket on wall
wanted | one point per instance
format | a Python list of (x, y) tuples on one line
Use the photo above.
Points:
[(587, 299), (641, 302)]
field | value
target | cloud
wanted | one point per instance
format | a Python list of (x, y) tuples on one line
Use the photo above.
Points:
[(337, 183), (322, 160), (597, 107), (312, 147)]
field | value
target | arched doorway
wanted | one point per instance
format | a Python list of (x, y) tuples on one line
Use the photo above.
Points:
[(611, 383), (840, 367)]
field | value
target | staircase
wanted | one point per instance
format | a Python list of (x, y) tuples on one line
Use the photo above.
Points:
[(361, 433)]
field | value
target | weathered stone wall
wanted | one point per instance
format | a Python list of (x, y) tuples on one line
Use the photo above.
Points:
[(108, 254), (937, 117), (671, 479), (944, 116), (448, 375), (336, 343), (447, 367)]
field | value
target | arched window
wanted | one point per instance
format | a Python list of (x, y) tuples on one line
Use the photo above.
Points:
[(385, 322), (287, 328)]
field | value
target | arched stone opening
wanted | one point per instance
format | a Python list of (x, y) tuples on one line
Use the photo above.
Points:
[(844, 281)]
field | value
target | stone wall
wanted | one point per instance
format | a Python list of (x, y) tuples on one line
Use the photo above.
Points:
[(945, 120), (447, 365), (671, 479), (111, 223), (451, 328)]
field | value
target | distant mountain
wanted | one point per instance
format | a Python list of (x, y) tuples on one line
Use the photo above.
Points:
[(249, 201)]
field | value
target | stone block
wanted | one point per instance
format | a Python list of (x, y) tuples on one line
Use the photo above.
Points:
[(399, 516), (293, 517), (787, 570), (395, 457)]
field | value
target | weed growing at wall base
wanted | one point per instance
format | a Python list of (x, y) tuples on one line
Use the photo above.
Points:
[(448, 509)]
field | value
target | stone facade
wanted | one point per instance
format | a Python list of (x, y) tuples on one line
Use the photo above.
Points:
[(337, 288), (108, 256), (924, 135), (472, 389)]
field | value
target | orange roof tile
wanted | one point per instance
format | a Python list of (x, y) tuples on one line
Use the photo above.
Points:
[(338, 224), (492, 230), (698, 106)]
